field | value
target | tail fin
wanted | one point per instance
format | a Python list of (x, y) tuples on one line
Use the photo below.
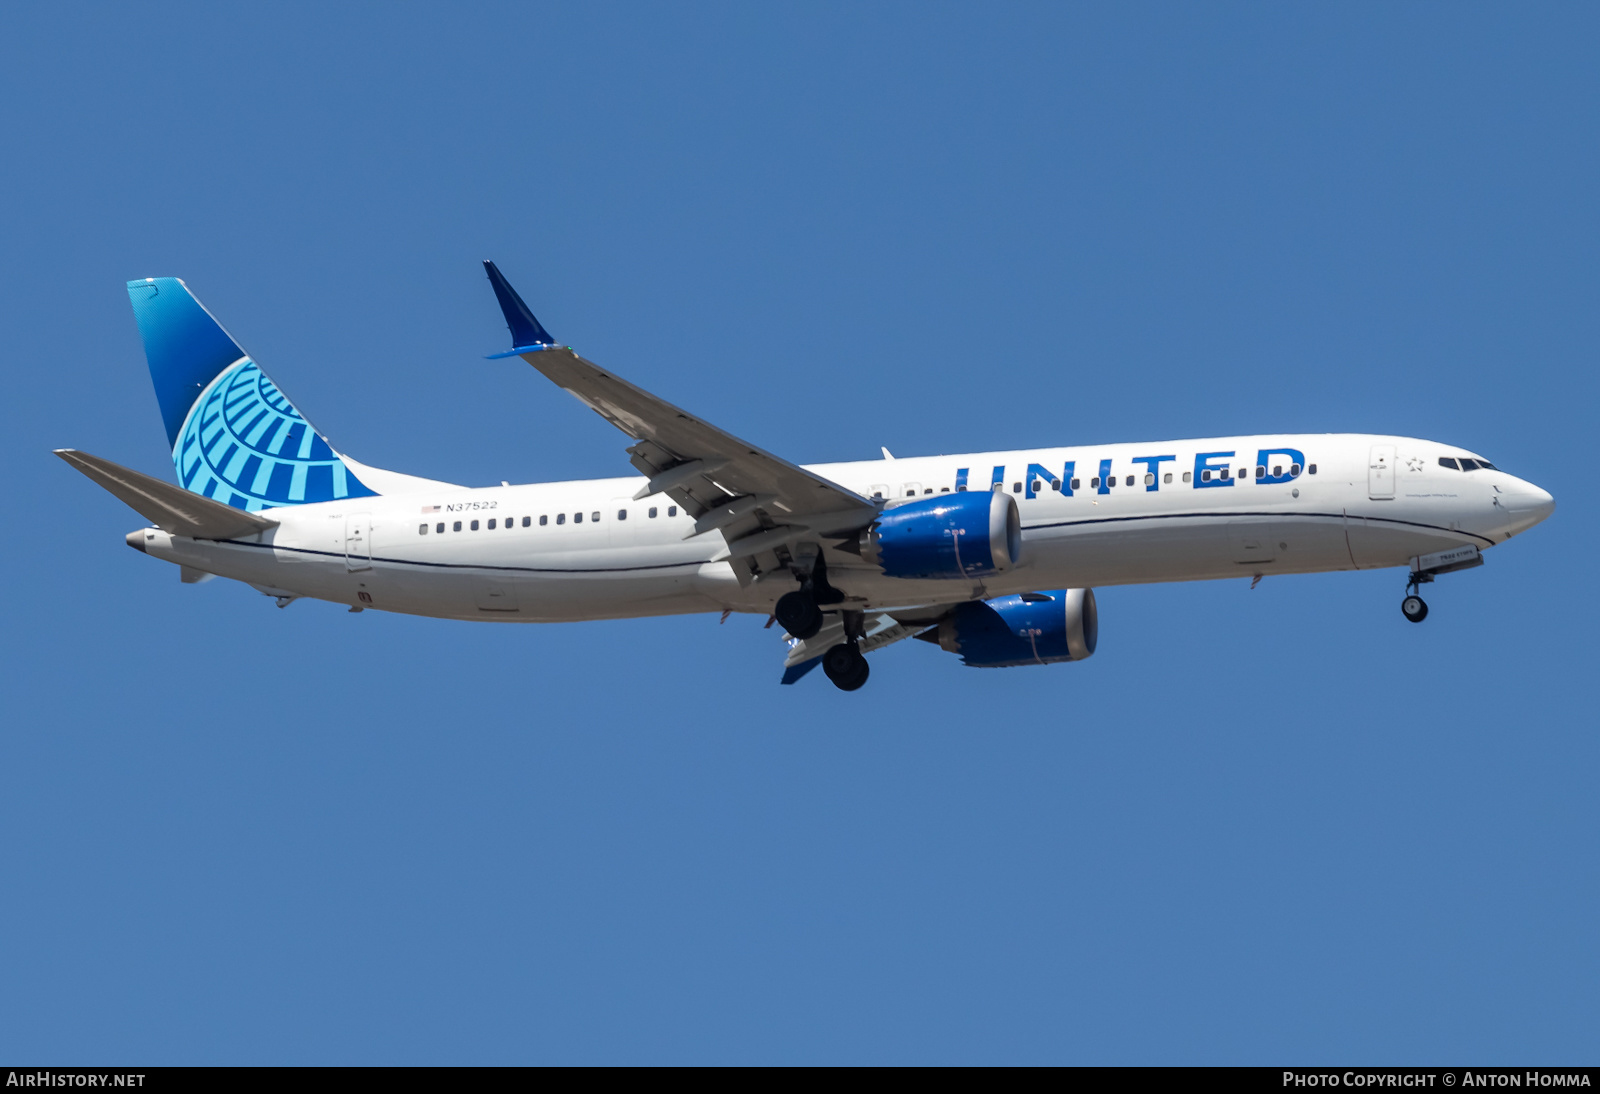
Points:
[(234, 435)]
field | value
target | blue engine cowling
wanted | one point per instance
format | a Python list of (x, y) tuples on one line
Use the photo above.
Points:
[(966, 534), (1030, 629)]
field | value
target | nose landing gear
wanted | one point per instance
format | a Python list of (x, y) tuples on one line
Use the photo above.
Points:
[(1413, 607)]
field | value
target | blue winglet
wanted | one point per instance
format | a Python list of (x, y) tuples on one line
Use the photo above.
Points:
[(527, 334), (794, 672)]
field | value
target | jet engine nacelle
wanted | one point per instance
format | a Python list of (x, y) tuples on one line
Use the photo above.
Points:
[(1030, 629), (965, 534)]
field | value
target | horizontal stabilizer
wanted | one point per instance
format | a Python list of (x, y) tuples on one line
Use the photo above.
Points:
[(170, 508)]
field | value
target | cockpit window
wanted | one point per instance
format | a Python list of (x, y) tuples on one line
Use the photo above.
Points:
[(1487, 466), (1468, 465), (1450, 462)]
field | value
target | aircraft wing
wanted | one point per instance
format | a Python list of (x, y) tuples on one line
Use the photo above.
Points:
[(760, 502), (170, 508)]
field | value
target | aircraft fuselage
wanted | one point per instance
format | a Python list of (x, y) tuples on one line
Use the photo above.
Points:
[(1091, 516)]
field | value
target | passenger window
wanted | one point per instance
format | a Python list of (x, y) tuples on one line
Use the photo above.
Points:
[(526, 521), (1149, 479), (1167, 478), (1277, 470), (474, 526), (1261, 472), (1055, 484), (1094, 483), (1311, 468), (561, 518), (457, 527), (1016, 488), (1035, 486), (1077, 484), (422, 530), (1205, 476), (1294, 471), (929, 490), (595, 516), (1450, 462), (911, 493), (1223, 474), (577, 518), (878, 495), (491, 524), (439, 527), (652, 512), (544, 520), (944, 489), (672, 510), (1128, 481), (1186, 475), (622, 514)]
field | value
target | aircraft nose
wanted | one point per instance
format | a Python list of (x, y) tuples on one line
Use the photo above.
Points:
[(1530, 503)]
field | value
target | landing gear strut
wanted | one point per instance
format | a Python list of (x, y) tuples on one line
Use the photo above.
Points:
[(1413, 607), (798, 612), (845, 664)]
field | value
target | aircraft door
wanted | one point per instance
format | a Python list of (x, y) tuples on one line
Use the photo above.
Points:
[(358, 542), (1380, 472)]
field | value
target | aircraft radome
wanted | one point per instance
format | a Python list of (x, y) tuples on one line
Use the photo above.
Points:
[(993, 556)]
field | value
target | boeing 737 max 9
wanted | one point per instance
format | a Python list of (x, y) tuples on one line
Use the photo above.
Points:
[(992, 556)]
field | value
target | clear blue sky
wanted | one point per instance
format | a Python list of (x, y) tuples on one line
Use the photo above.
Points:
[(1259, 826)]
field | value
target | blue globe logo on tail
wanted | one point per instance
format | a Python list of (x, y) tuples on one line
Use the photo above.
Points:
[(235, 437), (246, 445)]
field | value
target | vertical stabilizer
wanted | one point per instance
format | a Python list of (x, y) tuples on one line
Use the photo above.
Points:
[(235, 437)]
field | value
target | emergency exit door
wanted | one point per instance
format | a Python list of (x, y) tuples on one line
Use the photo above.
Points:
[(1380, 472)]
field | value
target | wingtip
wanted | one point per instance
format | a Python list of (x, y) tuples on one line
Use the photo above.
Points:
[(526, 330)]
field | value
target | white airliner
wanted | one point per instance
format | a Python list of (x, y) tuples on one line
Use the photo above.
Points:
[(992, 555)]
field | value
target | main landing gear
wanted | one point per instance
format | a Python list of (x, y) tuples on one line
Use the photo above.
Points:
[(1413, 607), (800, 612), (846, 665)]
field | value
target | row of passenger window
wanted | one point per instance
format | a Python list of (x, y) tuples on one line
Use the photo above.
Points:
[(527, 522), (1465, 464)]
